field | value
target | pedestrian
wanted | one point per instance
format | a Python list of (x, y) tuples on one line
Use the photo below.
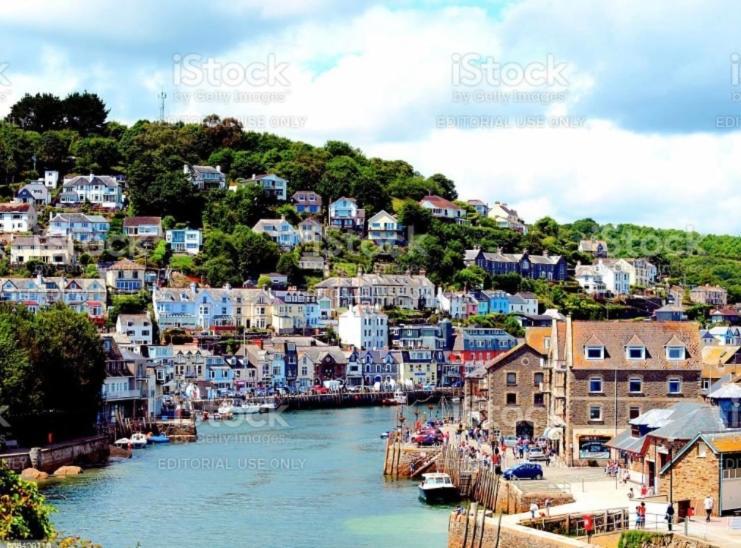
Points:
[(690, 513), (533, 509), (626, 476), (642, 510), (548, 458), (638, 516), (644, 490), (630, 493), (669, 516), (708, 507), (496, 460), (548, 504)]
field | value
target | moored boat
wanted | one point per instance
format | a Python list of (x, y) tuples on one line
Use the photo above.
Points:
[(138, 440), (158, 438), (438, 488)]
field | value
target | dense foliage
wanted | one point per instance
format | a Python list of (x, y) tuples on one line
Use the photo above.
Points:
[(24, 513), (52, 367), (73, 134)]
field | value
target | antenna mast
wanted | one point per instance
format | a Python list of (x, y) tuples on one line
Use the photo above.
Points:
[(162, 96)]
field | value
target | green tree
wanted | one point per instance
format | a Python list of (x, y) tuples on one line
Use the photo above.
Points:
[(24, 512)]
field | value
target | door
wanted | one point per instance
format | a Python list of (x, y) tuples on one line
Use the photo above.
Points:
[(651, 474), (524, 429)]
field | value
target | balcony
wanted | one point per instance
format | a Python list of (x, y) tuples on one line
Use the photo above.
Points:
[(120, 395)]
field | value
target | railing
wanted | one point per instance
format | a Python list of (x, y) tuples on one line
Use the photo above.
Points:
[(122, 395)]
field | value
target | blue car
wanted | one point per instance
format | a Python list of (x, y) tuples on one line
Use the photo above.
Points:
[(525, 470)]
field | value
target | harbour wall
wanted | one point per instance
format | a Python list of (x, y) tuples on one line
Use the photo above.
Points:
[(85, 452)]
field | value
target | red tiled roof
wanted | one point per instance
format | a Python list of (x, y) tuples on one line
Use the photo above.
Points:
[(138, 221), (13, 206), (439, 201), (126, 264)]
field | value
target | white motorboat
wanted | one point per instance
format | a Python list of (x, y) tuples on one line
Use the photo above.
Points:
[(138, 440), (438, 488), (268, 406), (400, 397), (122, 442), (238, 408)]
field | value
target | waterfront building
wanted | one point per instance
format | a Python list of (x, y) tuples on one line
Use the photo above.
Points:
[(603, 277), (363, 327), (709, 294), (432, 337), (367, 367)]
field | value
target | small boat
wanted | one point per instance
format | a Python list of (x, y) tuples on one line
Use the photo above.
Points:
[(438, 488), (384, 435), (268, 406), (400, 397), (455, 400), (245, 409), (158, 438), (122, 442), (138, 440), (224, 409)]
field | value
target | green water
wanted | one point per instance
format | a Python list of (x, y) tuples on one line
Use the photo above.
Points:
[(311, 478)]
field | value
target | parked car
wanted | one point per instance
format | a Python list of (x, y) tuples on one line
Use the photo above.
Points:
[(536, 453), (525, 470)]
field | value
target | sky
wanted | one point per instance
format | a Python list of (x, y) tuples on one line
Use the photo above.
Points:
[(623, 111)]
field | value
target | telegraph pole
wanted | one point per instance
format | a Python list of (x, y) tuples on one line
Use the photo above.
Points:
[(162, 96)]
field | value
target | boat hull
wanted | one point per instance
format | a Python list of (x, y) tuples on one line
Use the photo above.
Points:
[(439, 495)]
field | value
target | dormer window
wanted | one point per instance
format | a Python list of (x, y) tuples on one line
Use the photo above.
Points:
[(675, 352), (635, 352), (595, 352)]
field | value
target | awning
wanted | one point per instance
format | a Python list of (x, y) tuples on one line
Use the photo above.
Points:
[(626, 442), (553, 433)]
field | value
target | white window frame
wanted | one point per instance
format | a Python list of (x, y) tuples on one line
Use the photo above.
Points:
[(635, 378), (589, 412), (642, 350), (601, 352), (681, 348), (601, 384), (669, 381)]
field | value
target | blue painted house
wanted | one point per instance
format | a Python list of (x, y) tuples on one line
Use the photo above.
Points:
[(307, 201)]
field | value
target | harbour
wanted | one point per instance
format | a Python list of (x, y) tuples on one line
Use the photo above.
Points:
[(303, 478)]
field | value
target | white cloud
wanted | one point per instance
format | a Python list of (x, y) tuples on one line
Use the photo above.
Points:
[(647, 81)]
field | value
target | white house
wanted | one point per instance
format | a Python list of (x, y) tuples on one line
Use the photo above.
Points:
[(272, 185), (54, 250), (384, 229), (363, 327), (51, 178), (205, 177), (310, 230), (641, 272), (452, 303), (100, 190), (506, 217), (442, 208), (184, 240), (603, 277), (137, 327), (17, 217), (82, 228), (143, 227), (35, 193), (530, 302), (345, 214), (279, 230)]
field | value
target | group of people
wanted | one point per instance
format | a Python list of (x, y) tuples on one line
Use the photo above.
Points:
[(708, 504)]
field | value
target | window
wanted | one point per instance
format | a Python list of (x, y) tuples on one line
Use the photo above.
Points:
[(537, 378), (636, 353), (595, 352), (538, 400), (702, 450), (511, 379), (674, 386), (675, 352), (595, 412), (706, 384), (595, 385), (635, 385), (634, 411), (511, 398)]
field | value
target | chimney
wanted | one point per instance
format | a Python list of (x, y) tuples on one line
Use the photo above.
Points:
[(218, 168), (186, 170), (193, 287), (90, 177)]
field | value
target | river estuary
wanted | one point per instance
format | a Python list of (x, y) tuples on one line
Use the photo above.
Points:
[(307, 478)]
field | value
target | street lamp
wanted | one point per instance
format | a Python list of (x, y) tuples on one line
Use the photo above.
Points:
[(670, 441)]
